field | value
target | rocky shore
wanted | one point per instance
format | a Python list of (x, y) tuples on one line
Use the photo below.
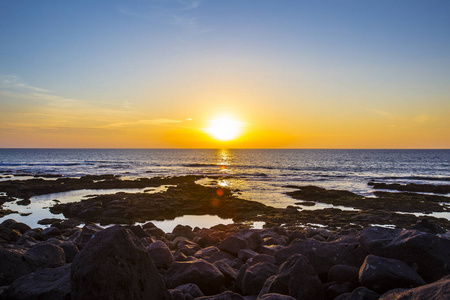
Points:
[(223, 262)]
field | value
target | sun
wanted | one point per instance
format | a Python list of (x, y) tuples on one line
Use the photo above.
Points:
[(224, 128)]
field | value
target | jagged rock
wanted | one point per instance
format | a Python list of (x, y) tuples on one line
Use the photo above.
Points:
[(298, 279), (114, 264), (245, 254), (12, 265), (44, 255), (383, 274), (161, 255), (86, 233), (205, 275), (255, 276), (436, 290), (51, 284), (426, 225), (138, 231)]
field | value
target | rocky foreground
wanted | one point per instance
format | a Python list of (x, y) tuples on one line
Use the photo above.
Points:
[(223, 262)]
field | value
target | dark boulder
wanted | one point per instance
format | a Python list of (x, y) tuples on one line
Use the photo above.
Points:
[(426, 225), (361, 293), (233, 245), (114, 264), (383, 274), (207, 252), (228, 272), (161, 255), (70, 250), (255, 277), (51, 232), (344, 273), (45, 255), (22, 227), (228, 295), (275, 296), (298, 279), (191, 289), (200, 272), (373, 239), (86, 233), (12, 265), (324, 255), (51, 284), (436, 290)]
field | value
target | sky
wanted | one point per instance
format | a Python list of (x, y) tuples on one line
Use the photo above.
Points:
[(293, 74)]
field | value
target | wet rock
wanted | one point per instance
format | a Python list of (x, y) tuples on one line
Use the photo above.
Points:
[(436, 290), (200, 272), (12, 265), (373, 239), (43, 284), (161, 255), (324, 255), (361, 293), (298, 279), (45, 255), (86, 233), (24, 202), (255, 277), (7, 223), (191, 289), (114, 264), (383, 274)]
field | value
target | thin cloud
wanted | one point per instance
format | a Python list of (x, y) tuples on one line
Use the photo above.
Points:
[(152, 122), (12, 82), (382, 113)]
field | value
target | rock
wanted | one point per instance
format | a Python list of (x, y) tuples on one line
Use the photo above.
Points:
[(22, 227), (344, 273), (86, 233), (324, 255), (373, 239), (207, 252), (337, 289), (176, 294), (184, 231), (228, 272), (425, 225), (7, 223), (70, 250), (255, 277), (233, 245), (221, 255), (161, 255), (26, 241), (263, 258), (296, 235), (138, 231), (298, 279), (360, 293), (12, 265), (43, 284), (200, 272), (189, 248), (114, 264), (44, 255), (51, 232), (383, 274), (191, 289), (228, 295), (245, 254), (251, 237), (24, 202), (426, 253), (436, 290), (275, 296)]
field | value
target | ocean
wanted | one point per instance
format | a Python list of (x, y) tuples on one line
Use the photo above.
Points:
[(254, 174)]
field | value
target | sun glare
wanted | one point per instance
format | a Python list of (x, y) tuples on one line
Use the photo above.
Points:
[(224, 129)]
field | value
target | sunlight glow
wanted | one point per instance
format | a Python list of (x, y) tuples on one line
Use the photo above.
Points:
[(224, 128)]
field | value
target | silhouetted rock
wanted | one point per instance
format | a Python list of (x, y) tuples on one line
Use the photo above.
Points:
[(22, 227), (114, 264), (373, 239), (49, 284), (428, 226), (191, 289), (436, 290), (85, 235), (233, 245), (200, 272), (228, 295), (342, 274), (298, 279), (70, 250), (275, 296), (51, 232)]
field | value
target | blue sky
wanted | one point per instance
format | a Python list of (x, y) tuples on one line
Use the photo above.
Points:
[(378, 63)]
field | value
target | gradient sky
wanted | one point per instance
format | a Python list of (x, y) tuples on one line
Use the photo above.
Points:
[(154, 73)]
